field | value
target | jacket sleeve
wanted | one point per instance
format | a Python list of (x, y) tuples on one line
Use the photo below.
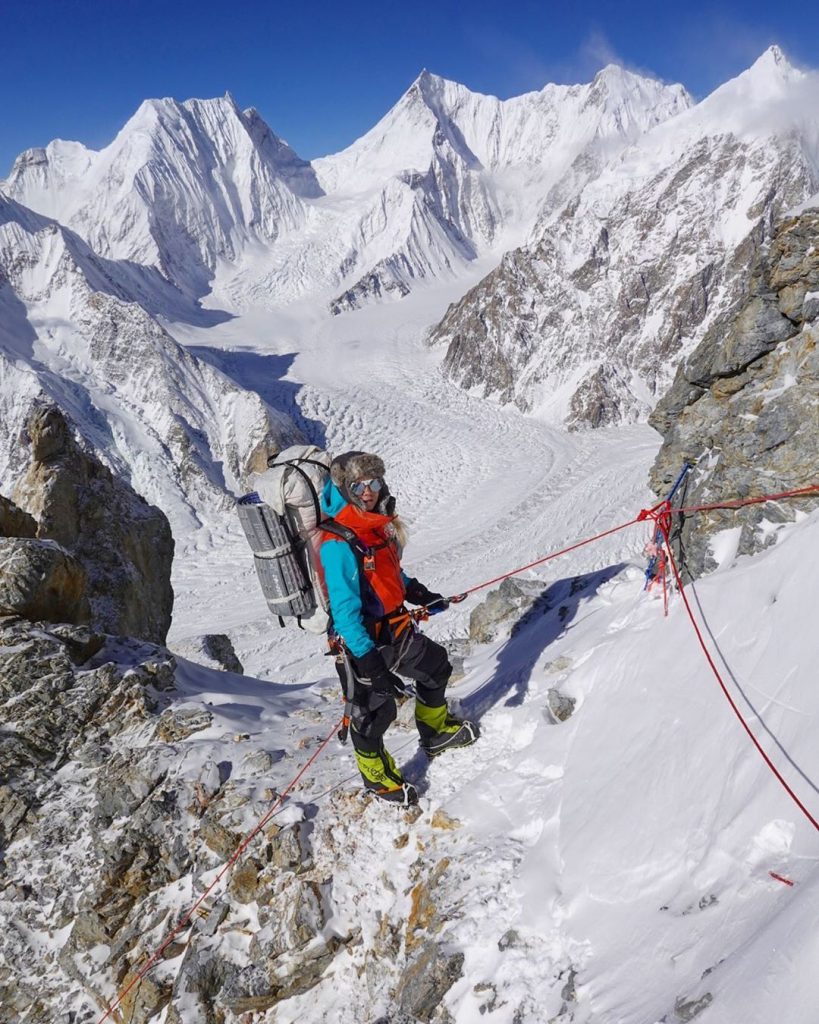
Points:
[(344, 591)]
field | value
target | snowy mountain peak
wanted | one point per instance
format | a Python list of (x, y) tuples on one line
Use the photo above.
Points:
[(433, 90), (774, 61), (615, 76), (637, 101), (182, 186), (767, 78)]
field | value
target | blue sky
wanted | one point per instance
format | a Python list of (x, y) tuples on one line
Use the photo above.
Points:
[(322, 73)]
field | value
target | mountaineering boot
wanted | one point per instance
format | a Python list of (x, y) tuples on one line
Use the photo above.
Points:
[(382, 777), (439, 730)]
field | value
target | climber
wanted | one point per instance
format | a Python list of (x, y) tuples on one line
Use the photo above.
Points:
[(360, 555)]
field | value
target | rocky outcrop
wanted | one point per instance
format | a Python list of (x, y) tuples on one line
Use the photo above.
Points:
[(98, 827), (504, 606), (213, 649), (39, 580), (59, 704), (123, 543), (745, 405), (14, 522)]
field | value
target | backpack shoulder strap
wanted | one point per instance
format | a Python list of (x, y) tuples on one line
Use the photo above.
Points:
[(332, 526)]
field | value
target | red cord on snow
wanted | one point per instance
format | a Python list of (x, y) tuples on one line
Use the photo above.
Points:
[(554, 554), (720, 680), (184, 921), (780, 878)]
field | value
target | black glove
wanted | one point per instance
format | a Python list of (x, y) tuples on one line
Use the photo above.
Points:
[(371, 668), (417, 593)]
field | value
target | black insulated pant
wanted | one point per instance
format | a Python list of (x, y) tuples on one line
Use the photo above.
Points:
[(416, 657)]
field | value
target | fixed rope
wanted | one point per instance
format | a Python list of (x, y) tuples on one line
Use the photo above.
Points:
[(663, 507), (731, 503), (660, 514), (549, 557), (185, 920), (663, 526)]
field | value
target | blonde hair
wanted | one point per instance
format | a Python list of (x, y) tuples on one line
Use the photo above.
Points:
[(401, 533)]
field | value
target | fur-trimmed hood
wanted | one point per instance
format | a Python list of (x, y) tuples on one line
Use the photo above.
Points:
[(351, 466)]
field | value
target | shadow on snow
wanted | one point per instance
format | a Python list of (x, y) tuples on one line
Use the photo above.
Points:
[(255, 371), (549, 618)]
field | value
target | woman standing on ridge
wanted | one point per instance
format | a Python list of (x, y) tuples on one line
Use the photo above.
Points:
[(361, 559)]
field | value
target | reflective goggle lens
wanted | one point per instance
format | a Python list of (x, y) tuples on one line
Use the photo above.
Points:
[(360, 486)]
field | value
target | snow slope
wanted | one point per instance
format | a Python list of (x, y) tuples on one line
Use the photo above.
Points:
[(613, 867), (72, 333)]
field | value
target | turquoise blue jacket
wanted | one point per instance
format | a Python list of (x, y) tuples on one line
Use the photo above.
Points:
[(350, 605)]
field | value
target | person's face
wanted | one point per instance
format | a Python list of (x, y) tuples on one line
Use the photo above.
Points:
[(368, 496)]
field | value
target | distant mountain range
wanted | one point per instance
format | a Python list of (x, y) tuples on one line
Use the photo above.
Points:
[(620, 216)]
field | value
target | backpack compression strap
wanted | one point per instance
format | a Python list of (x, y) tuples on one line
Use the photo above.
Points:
[(294, 464)]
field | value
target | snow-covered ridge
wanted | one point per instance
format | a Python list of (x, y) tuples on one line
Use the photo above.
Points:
[(181, 187), (531, 130), (210, 196), (71, 331), (628, 267)]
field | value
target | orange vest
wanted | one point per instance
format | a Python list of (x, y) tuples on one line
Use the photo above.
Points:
[(380, 565)]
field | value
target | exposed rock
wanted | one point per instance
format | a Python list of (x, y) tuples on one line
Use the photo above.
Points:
[(54, 713), (510, 940), (124, 544), (686, 1010), (99, 828), (424, 918), (560, 705), (426, 979), (746, 404), (14, 522), (213, 649), (290, 921), (180, 721), (244, 881), (380, 282), (512, 599), (440, 819), (41, 581)]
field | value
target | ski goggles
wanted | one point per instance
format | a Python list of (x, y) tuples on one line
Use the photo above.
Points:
[(360, 486)]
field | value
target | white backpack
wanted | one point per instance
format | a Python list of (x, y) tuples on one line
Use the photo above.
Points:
[(281, 519)]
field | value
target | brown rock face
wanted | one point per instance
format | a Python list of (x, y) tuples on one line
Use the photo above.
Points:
[(42, 582), (14, 522), (745, 405), (124, 543)]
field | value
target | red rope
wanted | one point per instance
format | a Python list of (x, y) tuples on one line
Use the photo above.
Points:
[(736, 502), (185, 920), (554, 554), (728, 696)]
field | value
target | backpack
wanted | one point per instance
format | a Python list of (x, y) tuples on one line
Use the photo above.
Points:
[(280, 519)]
